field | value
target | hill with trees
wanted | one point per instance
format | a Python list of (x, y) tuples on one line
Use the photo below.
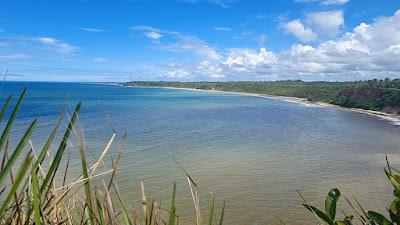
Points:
[(379, 95)]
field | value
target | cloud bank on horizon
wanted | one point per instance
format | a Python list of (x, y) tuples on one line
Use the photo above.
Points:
[(332, 40)]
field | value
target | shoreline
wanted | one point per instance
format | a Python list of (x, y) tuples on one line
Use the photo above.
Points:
[(392, 118)]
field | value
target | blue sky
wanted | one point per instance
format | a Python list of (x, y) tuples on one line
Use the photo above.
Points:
[(213, 40)]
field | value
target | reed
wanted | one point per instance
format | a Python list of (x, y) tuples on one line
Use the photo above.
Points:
[(32, 196)]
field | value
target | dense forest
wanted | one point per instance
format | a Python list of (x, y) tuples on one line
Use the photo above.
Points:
[(380, 95)]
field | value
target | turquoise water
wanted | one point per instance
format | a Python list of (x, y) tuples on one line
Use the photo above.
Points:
[(253, 152)]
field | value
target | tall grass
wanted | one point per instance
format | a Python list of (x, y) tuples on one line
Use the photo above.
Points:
[(31, 195)]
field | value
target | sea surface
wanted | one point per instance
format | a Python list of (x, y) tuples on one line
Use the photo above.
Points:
[(253, 152)]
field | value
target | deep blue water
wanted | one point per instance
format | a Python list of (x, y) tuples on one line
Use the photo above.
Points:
[(254, 152)]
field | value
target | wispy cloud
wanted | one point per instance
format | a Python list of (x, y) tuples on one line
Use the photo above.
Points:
[(56, 45), (222, 3), (91, 29), (261, 16), (100, 59), (13, 56), (153, 35), (178, 42), (224, 29), (325, 2)]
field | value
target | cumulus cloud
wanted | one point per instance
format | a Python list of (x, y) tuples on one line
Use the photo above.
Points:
[(297, 28), (317, 25), (327, 23), (368, 51)]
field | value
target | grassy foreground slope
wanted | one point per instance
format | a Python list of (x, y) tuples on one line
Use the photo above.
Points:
[(380, 95)]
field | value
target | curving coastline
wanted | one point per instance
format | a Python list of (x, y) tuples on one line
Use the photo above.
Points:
[(392, 118)]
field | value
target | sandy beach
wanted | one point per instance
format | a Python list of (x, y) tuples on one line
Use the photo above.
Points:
[(392, 118)]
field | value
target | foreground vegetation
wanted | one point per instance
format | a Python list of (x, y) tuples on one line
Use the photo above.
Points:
[(29, 193), (380, 95)]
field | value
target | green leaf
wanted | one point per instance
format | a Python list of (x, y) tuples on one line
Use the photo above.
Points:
[(125, 211), (330, 203), (60, 151), (10, 122), (211, 213), (172, 212), (5, 107), (222, 214), (17, 152), (319, 213), (36, 197), (378, 218), (46, 147), (85, 175), (100, 210), (20, 175), (150, 213)]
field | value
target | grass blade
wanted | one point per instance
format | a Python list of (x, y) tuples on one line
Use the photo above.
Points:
[(211, 213), (125, 212), (86, 183), (5, 107), (172, 213), (61, 149), (36, 197), (222, 214), (7, 129), (46, 147), (19, 178), (100, 210), (17, 152)]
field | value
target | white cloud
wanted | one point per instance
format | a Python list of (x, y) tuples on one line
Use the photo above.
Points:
[(153, 35), (222, 3), (297, 28), (91, 29), (369, 51), (99, 59), (318, 25), (13, 56), (180, 43), (325, 2), (225, 29), (334, 2), (326, 23), (56, 45), (261, 16)]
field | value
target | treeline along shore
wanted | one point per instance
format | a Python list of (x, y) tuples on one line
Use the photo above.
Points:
[(376, 95)]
